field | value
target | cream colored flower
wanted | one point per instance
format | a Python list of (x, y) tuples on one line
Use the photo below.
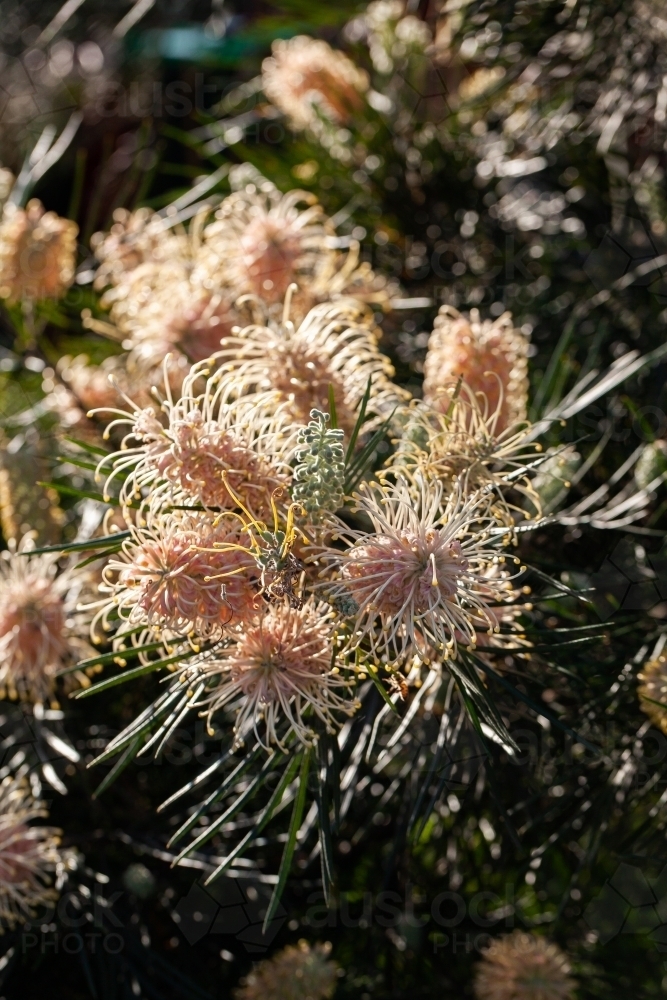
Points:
[(281, 668), (652, 691), (307, 79), (38, 625), (523, 966), (490, 357), (428, 576), (28, 854), (134, 238), (336, 345), (464, 443), (204, 450), (182, 575), (37, 253), (301, 972), (262, 241)]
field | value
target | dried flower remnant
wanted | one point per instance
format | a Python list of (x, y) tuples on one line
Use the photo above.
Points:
[(281, 668), (298, 972), (428, 577), (652, 691), (37, 253), (28, 854), (181, 576), (523, 966), (336, 345), (307, 79), (38, 627), (490, 357)]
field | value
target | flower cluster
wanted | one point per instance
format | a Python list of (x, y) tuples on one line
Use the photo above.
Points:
[(186, 291), (40, 631)]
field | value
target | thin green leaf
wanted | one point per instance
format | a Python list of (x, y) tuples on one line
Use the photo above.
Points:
[(216, 795), (288, 853), (383, 691), (70, 491), (360, 419), (333, 416), (91, 448), (120, 654), (264, 818), (127, 675), (92, 543), (118, 768)]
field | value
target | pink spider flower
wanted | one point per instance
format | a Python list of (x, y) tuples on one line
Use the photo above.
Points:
[(421, 580)]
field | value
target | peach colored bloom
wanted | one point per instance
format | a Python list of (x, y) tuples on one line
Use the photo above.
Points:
[(37, 253), (490, 357), (523, 966), (28, 854), (280, 666), (305, 76)]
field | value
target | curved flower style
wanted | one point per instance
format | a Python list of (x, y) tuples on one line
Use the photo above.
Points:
[(28, 854), (424, 579), (490, 357), (298, 972), (336, 345), (211, 451), (38, 631), (281, 668), (181, 576), (523, 966), (37, 253), (307, 79)]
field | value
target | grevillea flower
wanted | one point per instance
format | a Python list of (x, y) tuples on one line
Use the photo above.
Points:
[(39, 633), (465, 443), (28, 854), (490, 357), (181, 575), (335, 346), (427, 577), (134, 238), (37, 253), (307, 79), (523, 966), (211, 451), (280, 668), (262, 241), (162, 305), (652, 691), (298, 972)]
